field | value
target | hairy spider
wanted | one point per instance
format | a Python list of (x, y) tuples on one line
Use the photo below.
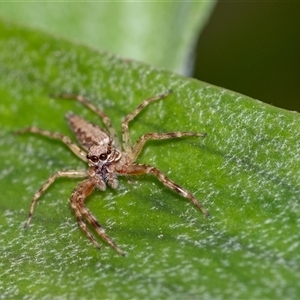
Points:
[(102, 151)]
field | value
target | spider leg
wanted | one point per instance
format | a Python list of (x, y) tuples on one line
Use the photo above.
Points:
[(58, 136), (131, 116), (106, 120), (139, 169), (81, 211), (38, 194), (137, 148)]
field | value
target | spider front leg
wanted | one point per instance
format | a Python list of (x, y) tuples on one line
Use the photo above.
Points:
[(139, 169), (81, 211), (58, 136), (38, 194), (131, 116), (137, 148)]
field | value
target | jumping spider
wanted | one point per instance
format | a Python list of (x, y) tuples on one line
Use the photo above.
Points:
[(102, 152)]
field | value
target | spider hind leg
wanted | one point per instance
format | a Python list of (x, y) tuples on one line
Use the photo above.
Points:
[(139, 169)]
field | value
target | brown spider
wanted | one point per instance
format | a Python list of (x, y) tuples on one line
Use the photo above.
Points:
[(102, 151)]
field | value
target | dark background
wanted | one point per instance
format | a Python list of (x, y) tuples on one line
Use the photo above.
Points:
[(253, 48)]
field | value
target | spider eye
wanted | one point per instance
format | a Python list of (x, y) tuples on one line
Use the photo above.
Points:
[(103, 156), (93, 158), (108, 152)]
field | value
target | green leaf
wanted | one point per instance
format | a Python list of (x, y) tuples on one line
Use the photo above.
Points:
[(246, 172), (160, 33)]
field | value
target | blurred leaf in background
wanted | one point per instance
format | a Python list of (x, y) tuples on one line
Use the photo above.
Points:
[(163, 34), (249, 47)]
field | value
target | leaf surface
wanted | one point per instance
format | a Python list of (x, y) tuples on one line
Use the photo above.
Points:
[(246, 172)]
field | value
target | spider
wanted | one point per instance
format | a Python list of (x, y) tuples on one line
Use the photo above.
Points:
[(102, 151)]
